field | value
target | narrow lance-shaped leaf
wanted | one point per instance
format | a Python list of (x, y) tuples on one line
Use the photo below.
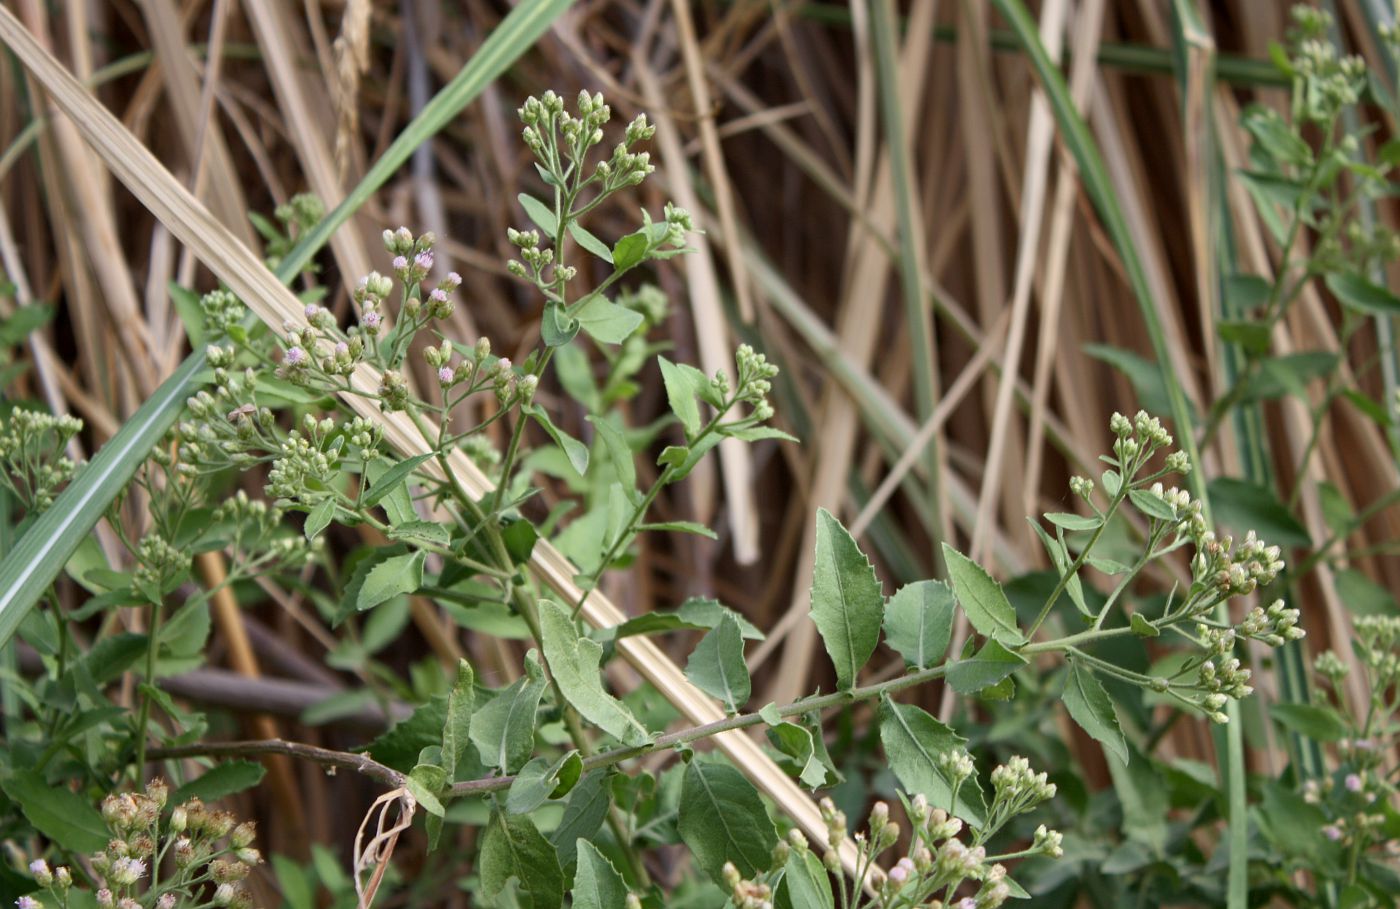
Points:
[(717, 666), (846, 600), (982, 599), (919, 622), (575, 663), (456, 732), (722, 819), (1089, 705)]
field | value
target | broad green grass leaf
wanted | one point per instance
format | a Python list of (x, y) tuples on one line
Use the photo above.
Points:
[(606, 321), (394, 576), (597, 884), (513, 848), (503, 729), (456, 732), (219, 781), (717, 666), (574, 662), (982, 598), (919, 622), (33, 563), (1088, 704), (58, 813), (984, 669), (722, 819), (847, 604), (913, 742)]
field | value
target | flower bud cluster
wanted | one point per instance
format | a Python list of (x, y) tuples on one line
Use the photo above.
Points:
[(1274, 626), (307, 461), (157, 562), (223, 312), (1220, 674), (1235, 571), (754, 382), (32, 446), (1330, 82), (746, 894)]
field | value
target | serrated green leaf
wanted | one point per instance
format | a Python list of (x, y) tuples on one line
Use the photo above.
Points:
[(606, 321), (589, 242), (57, 812), (503, 729), (219, 781), (391, 479), (619, 453), (798, 746), (919, 622), (983, 669), (576, 451), (1088, 704), (847, 604), (597, 884), (574, 661), (805, 883), (513, 848), (913, 742), (982, 598), (1142, 627), (717, 666), (722, 819), (390, 578), (1059, 557), (541, 214)]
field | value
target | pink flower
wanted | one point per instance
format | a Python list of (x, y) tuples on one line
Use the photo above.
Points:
[(446, 374), (370, 319), (424, 260), (400, 263), (1353, 782), (26, 902), (311, 310), (1332, 832), (294, 356), (438, 296)]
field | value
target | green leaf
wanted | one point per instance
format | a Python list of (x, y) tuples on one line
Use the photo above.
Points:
[(605, 321), (1364, 596), (1142, 627), (694, 614), (583, 815), (576, 451), (574, 662), (683, 384), (700, 530), (1321, 724), (988, 666), (805, 884), (629, 251), (57, 812), (391, 479), (1361, 295), (541, 214), (722, 819), (390, 578), (1250, 335), (597, 885), (456, 732), (1144, 375), (503, 730), (401, 746), (589, 242), (420, 533), (1150, 505), (982, 598), (513, 848), (1245, 293), (319, 518), (219, 781), (847, 604), (1089, 706), (619, 453), (913, 742), (1244, 506), (539, 781), (1070, 521), (798, 745), (717, 666), (919, 622), (556, 327), (1059, 556), (422, 784), (519, 537)]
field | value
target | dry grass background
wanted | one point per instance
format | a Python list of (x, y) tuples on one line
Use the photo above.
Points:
[(929, 290)]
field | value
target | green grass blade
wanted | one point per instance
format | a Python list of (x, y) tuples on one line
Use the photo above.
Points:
[(28, 570)]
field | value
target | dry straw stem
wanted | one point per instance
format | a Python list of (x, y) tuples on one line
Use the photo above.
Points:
[(221, 252)]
